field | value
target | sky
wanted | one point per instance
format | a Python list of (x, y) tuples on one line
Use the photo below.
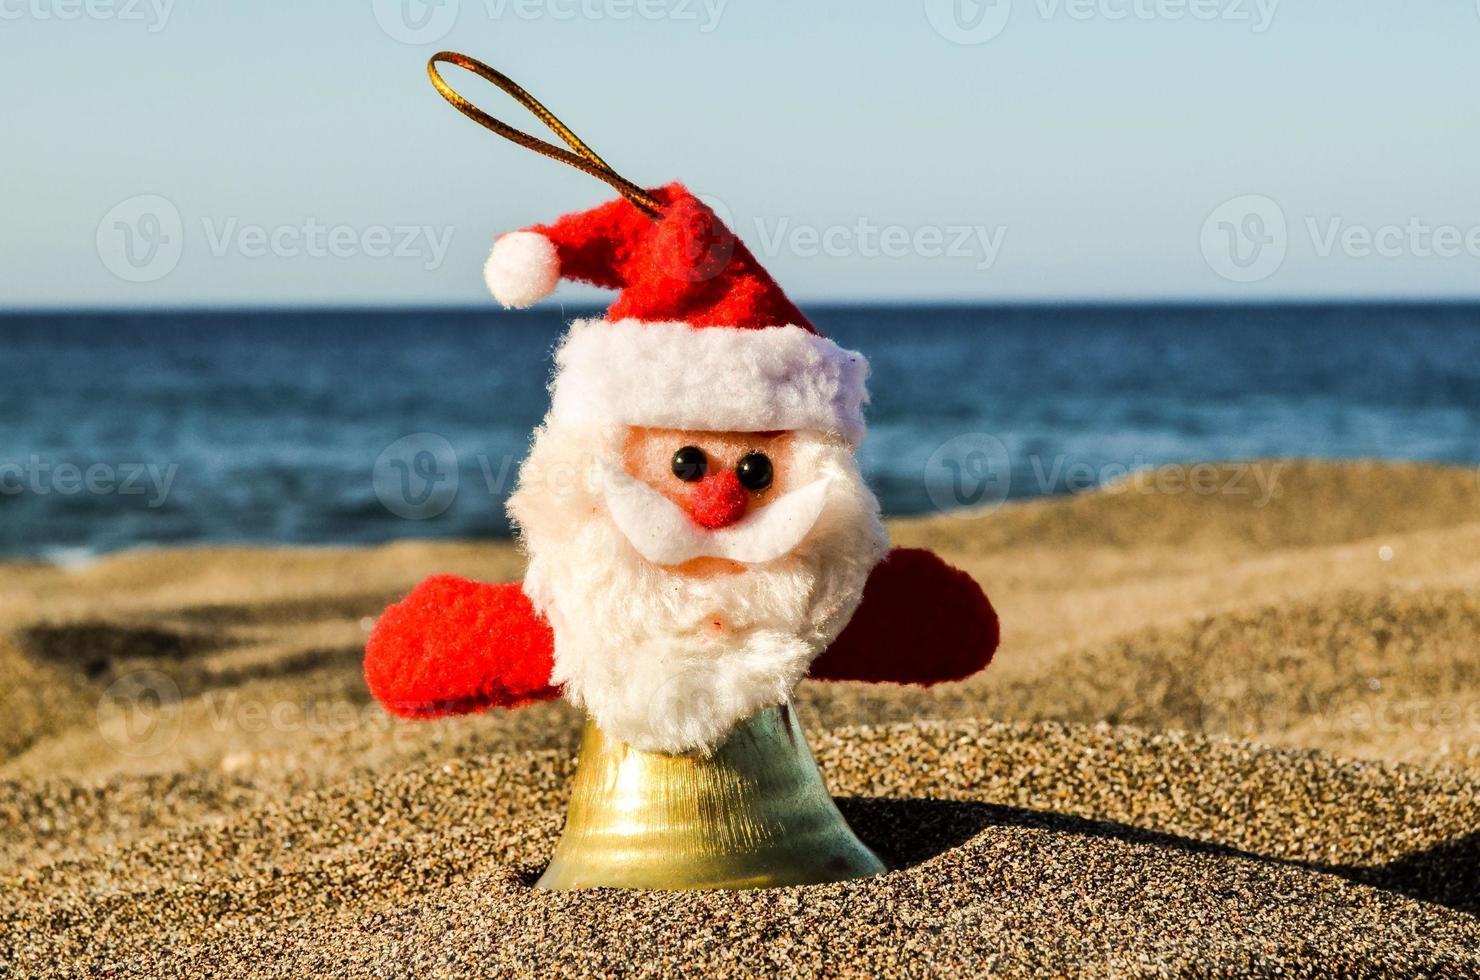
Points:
[(182, 153)]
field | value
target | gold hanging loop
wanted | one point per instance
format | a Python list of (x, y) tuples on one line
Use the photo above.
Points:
[(583, 158)]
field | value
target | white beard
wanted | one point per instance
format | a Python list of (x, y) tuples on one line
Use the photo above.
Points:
[(669, 662)]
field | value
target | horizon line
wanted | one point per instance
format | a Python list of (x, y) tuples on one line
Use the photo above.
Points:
[(833, 304)]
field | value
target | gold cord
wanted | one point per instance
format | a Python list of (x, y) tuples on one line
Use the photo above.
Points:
[(583, 159)]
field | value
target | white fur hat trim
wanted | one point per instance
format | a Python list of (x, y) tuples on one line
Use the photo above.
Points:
[(676, 376)]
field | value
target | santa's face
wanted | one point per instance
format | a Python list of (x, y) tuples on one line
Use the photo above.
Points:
[(716, 478), (691, 577)]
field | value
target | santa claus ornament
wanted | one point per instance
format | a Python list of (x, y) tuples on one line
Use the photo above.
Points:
[(699, 540)]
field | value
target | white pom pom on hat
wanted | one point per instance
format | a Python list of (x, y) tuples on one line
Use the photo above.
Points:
[(522, 269)]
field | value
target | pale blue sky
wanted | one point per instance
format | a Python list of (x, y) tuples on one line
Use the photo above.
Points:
[(1078, 154)]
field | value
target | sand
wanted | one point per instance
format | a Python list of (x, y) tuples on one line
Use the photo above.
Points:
[(1220, 736)]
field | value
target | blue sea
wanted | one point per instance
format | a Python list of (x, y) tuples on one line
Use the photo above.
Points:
[(125, 430)]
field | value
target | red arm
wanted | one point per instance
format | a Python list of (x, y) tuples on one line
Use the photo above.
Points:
[(455, 646), (920, 622)]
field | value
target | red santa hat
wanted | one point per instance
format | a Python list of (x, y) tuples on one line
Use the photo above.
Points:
[(700, 336)]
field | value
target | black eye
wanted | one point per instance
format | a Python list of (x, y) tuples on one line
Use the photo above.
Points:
[(754, 471), (689, 464)]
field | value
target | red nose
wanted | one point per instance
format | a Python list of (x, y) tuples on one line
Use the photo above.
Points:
[(718, 501)]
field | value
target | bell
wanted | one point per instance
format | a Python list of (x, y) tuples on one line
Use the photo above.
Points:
[(753, 814)]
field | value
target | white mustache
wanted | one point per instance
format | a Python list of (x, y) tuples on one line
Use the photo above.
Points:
[(663, 534)]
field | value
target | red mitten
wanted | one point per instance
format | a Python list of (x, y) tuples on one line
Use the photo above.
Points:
[(455, 646), (920, 622)]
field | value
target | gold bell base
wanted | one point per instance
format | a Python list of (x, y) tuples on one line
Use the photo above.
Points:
[(754, 814)]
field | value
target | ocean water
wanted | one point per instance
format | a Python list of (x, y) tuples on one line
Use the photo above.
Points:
[(356, 426)]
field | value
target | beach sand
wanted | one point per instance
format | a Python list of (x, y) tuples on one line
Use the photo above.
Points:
[(1223, 732)]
